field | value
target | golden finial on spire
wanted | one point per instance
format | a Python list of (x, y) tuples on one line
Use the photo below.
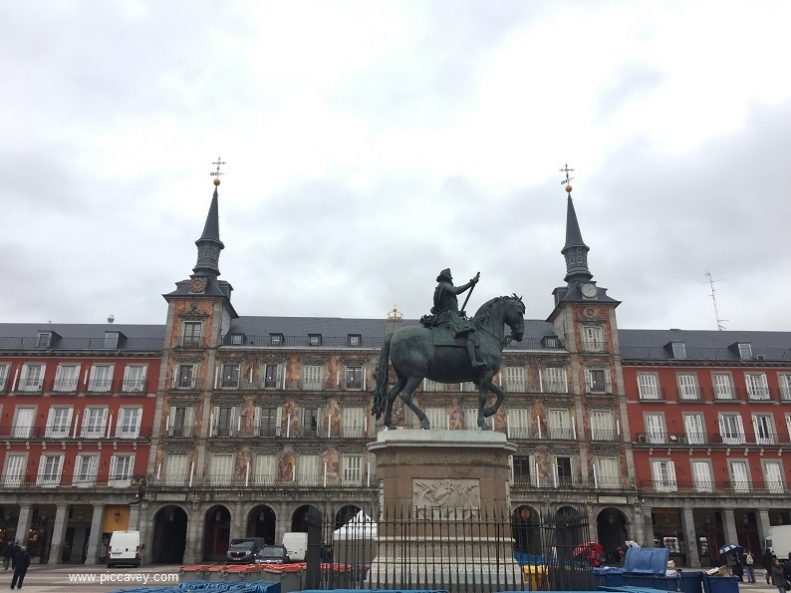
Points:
[(216, 174), (568, 179), (395, 314)]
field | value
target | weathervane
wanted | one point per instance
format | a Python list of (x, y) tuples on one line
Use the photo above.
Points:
[(568, 179), (216, 174)]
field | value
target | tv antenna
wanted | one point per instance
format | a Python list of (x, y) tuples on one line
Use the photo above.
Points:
[(714, 291)]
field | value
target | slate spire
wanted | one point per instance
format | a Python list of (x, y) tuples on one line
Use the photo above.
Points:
[(209, 244), (575, 251)]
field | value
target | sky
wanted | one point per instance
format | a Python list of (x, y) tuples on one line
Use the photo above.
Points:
[(369, 145)]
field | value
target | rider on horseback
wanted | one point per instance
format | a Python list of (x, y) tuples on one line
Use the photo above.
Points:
[(446, 312)]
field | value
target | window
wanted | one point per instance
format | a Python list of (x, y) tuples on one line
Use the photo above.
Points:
[(44, 340), (23, 422), (85, 470), (515, 379), (265, 470), (274, 378), (551, 342), (49, 470), (745, 351), (598, 380), (437, 417), (592, 339), (101, 378), (14, 471), (312, 376), (353, 422), (554, 380), (740, 476), (518, 423), (773, 477), (230, 376), (111, 340), (783, 378), (522, 473), (221, 469), (128, 426), (757, 388), (120, 471), (270, 420), (237, 339), (308, 472), (134, 378), (355, 340), (431, 386), (731, 429), (352, 470), (314, 339), (702, 477), (58, 422), (602, 425), (3, 376), (223, 421), (180, 421), (471, 419), (310, 421), (276, 339), (723, 386), (560, 424), (355, 377), (655, 428), (66, 376), (562, 472), (648, 385), (607, 472), (93, 422), (32, 378), (694, 429), (663, 473), (176, 469), (679, 350), (764, 428), (191, 334), (687, 386), (185, 376)]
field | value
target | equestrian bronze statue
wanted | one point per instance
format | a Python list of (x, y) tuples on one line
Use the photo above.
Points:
[(449, 348)]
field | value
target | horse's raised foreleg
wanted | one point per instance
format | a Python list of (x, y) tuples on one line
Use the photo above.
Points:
[(391, 395), (484, 385), (406, 395), (492, 410)]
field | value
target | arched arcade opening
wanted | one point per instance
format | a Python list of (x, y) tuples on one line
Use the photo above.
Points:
[(261, 522), (170, 535), (217, 533)]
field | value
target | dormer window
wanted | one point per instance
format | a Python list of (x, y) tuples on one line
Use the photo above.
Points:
[(354, 340), (276, 339), (679, 350), (111, 340), (551, 342), (44, 340), (314, 339), (191, 334), (237, 339), (745, 351)]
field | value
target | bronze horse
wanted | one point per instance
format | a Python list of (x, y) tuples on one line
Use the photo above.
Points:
[(415, 357)]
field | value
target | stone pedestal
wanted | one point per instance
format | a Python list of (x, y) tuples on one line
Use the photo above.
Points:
[(445, 509)]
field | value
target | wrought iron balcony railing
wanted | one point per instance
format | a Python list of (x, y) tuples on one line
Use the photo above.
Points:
[(712, 487)]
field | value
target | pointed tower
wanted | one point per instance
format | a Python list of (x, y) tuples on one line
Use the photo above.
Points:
[(209, 244)]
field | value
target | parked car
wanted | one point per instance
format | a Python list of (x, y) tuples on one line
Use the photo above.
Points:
[(243, 550), (124, 549), (274, 554)]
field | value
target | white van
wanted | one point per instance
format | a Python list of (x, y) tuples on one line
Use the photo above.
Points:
[(124, 548), (296, 544)]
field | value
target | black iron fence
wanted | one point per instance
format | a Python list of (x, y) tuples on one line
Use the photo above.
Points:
[(457, 550)]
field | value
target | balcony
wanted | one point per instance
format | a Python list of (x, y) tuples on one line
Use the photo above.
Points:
[(711, 487), (28, 481), (524, 482), (65, 385), (133, 385), (100, 386), (703, 438), (59, 432), (225, 480)]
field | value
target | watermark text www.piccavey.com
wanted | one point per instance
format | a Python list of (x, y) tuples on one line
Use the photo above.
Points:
[(123, 577)]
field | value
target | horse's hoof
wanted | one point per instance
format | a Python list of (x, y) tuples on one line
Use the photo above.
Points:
[(484, 426), (425, 425)]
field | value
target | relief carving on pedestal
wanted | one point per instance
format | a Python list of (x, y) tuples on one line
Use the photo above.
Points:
[(446, 494)]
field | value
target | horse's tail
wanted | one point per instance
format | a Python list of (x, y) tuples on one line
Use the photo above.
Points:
[(380, 390)]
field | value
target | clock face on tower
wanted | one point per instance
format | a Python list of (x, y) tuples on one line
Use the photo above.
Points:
[(589, 290)]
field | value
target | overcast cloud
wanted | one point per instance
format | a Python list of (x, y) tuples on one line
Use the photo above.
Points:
[(371, 144)]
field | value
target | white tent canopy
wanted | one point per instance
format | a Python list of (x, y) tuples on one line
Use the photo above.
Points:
[(361, 526)]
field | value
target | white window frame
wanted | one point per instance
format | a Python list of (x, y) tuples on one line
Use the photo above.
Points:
[(731, 428), (773, 479), (352, 470), (279, 379), (517, 423), (21, 430), (695, 428), (134, 380), (309, 470), (592, 338), (354, 377), (663, 474), (93, 430), (86, 466), (554, 380), (59, 420), (50, 470), (101, 381), (687, 384), (221, 469), (189, 339), (3, 375), (722, 383), (265, 469), (648, 386), (437, 417), (471, 419), (177, 383), (232, 367), (121, 477), (602, 425), (745, 351), (559, 424), (655, 427), (764, 429), (784, 379), (188, 421), (14, 469), (35, 382), (702, 475), (313, 377), (353, 421), (176, 469), (757, 386), (234, 420), (739, 472), (608, 472), (679, 350), (125, 428), (515, 379), (66, 384), (589, 374)]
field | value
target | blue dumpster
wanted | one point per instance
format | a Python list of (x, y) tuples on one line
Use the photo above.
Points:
[(608, 577), (647, 567), (717, 584)]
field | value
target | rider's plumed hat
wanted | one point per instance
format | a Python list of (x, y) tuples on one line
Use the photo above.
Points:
[(444, 275)]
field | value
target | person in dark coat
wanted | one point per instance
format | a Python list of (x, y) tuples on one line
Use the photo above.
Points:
[(7, 550), (11, 551), (778, 576), (21, 562), (766, 562)]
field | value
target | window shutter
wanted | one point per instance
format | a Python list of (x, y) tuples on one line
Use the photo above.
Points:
[(189, 421), (257, 421), (215, 414)]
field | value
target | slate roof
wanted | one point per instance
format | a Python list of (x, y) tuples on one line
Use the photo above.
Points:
[(82, 336)]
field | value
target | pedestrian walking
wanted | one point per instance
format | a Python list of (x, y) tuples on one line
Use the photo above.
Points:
[(778, 576), (749, 567), (21, 562), (8, 553), (766, 562)]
